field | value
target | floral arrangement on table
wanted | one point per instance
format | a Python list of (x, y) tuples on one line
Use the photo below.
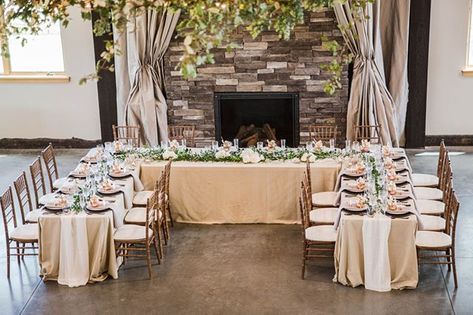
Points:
[(228, 153)]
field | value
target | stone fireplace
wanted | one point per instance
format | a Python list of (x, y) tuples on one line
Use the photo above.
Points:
[(278, 113), (260, 67)]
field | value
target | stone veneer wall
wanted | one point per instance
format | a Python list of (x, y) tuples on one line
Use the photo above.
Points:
[(264, 64)]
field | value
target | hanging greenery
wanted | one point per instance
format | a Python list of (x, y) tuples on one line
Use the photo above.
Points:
[(204, 24)]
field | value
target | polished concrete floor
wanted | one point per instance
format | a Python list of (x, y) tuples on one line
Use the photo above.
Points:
[(238, 269)]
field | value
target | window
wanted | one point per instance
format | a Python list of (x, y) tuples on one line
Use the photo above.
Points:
[(469, 57), (39, 59)]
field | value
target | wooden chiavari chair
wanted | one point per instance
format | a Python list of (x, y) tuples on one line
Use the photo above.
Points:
[(28, 213), (320, 199), (368, 132), (51, 168), (20, 234), (132, 240), (441, 244), (37, 179), (318, 241), (167, 176), (430, 193), (127, 134), (429, 180), (323, 132), (181, 132)]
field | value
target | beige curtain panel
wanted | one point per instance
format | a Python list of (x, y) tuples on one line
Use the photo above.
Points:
[(370, 101), (140, 74)]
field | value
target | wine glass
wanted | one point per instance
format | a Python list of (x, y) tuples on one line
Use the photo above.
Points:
[(283, 143)]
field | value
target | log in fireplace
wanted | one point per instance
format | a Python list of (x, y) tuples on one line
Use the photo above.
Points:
[(254, 117)]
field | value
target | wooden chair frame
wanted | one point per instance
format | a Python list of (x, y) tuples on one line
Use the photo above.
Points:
[(368, 132), (51, 166), (37, 178), (444, 255), (23, 194), (128, 134), (9, 216), (323, 132), (180, 132), (135, 248), (167, 176), (311, 249)]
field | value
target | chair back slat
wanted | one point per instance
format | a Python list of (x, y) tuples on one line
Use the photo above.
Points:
[(453, 207), (303, 205), (442, 158), (37, 179), (51, 166), (323, 132), (368, 132), (23, 194), (127, 134), (8, 210), (180, 132)]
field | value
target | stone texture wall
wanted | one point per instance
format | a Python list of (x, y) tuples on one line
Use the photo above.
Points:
[(263, 64)]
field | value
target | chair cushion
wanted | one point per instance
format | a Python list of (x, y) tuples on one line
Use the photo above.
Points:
[(25, 232), (432, 239), (131, 232), (424, 180), (141, 197), (323, 215), (432, 223), (321, 233), (46, 199), (138, 215), (32, 216), (325, 199), (430, 206), (428, 193), (57, 184)]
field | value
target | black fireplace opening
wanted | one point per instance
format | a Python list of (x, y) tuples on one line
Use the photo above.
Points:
[(257, 117)]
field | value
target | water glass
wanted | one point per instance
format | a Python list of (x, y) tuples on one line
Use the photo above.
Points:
[(259, 145), (164, 144), (236, 143), (283, 143), (348, 145), (214, 145), (332, 144), (309, 146), (184, 142), (82, 201)]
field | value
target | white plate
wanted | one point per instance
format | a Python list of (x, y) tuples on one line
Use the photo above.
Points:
[(119, 175), (354, 208), (102, 207), (399, 211), (353, 173), (109, 192)]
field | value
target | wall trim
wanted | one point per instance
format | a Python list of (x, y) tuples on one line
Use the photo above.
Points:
[(450, 140), (38, 143)]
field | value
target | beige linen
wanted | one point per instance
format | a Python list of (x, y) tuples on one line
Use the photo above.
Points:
[(101, 249), (349, 262), (239, 193)]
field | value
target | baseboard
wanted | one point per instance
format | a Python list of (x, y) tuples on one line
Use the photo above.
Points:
[(455, 140), (20, 143)]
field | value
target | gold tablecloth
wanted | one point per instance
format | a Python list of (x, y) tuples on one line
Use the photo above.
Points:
[(349, 264), (85, 254), (239, 193)]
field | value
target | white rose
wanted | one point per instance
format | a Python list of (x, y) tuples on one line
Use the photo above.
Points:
[(304, 157), (221, 154), (169, 155), (312, 158), (295, 160)]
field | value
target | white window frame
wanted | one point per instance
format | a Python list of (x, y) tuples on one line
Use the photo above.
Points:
[(468, 69), (9, 76)]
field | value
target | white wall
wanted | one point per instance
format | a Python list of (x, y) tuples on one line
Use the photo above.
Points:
[(449, 94), (56, 110)]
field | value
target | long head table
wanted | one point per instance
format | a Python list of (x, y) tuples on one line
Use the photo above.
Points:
[(239, 193)]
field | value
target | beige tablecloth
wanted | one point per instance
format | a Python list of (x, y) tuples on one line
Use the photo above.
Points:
[(349, 262), (77, 249), (239, 193)]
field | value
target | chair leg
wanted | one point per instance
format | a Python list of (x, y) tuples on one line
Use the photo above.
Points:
[(148, 259), (160, 237), (448, 253), (454, 265), (168, 209), (18, 251), (8, 261), (157, 251), (303, 262)]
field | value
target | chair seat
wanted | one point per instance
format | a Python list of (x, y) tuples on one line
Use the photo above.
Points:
[(46, 199), (429, 239), (434, 207), (58, 183), (428, 193), (325, 199), (321, 233), (131, 232), (432, 223), (323, 215), (25, 232), (33, 216), (141, 197), (138, 215), (424, 180)]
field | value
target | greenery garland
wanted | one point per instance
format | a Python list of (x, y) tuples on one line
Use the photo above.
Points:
[(208, 155), (204, 25)]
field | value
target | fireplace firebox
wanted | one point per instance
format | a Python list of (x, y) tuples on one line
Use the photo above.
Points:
[(254, 117)]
